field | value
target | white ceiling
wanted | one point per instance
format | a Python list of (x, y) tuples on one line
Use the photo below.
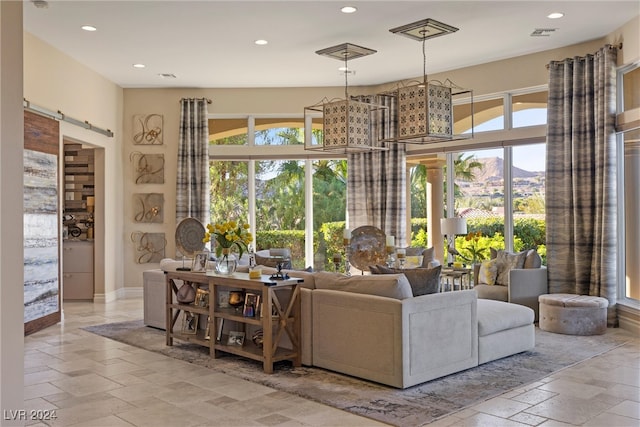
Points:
[(209, 44)]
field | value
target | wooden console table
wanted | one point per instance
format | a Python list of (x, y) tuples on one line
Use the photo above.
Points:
[(285, 318)]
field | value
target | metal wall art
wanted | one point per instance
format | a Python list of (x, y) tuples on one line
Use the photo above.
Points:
[(148, 207), (147, 129), (148, 168), (149, 247)]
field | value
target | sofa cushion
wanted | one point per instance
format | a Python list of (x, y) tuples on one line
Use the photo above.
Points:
[(498, 293), (488, 272), (385, 285), (169, 264), (496, 316), (423, 281), (506, 262)]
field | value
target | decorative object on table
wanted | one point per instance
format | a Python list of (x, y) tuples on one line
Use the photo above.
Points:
[(474, 248), (228, 235), (149, 247), (148, 168), (401, 253), (190, 323), (202, 297), (337, 261), (220, 328), (367, 247), (236, 299), (199, 264), (186, 294), (279, 275), (451, 227), (147, 129), (189, 237), (258, 338), (148, 207), (236, 338), (390, 248), (251, 304)]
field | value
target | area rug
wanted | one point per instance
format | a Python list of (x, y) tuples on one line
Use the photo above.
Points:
[(415, 406)]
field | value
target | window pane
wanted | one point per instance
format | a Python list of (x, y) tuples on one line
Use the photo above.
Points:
[(228, 131), (631, 86), (529, 109), (479, 197), (528, 181), (487, 115), (229, 191), (329, 211), (280, 207), (631, 214), (279, 131)]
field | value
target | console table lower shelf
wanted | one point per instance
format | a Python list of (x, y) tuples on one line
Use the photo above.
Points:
[(281, 319)]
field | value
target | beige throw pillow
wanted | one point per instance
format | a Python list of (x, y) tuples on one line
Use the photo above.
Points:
[(506, 262)]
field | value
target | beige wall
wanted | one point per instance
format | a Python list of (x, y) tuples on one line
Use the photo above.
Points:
[(57, 82)]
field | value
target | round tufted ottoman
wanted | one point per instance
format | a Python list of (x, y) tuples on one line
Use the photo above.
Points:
[(573, 314)]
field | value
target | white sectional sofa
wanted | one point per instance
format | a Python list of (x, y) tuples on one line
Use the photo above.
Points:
[(372, 327)]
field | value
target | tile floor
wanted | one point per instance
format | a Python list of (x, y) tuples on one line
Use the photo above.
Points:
[(88, 380)]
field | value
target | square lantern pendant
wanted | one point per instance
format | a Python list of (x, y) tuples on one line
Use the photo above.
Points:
[(425, 109), (347, 124)]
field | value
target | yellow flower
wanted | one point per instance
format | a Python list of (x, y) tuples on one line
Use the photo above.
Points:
[(227, 235)]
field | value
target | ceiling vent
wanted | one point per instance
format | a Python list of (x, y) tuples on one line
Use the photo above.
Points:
[(543, 32)]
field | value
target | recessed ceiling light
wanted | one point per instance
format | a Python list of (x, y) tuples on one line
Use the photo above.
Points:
[(555, 15), (261, 42), (89, 28), (167, 75), (348, 9), (139, 65)]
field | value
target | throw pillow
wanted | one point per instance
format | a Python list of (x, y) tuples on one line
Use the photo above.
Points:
[(423, 281), (428, 256), (533, 259), (271, 262), (506, 262), (488, 272)]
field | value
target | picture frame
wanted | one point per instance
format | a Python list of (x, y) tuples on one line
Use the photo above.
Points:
[(200, 262), (190, 323), (202, 298), (236, 338), (223, 299), (251, 304)]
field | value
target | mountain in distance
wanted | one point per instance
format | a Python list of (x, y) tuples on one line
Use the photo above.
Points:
[(493, 169)]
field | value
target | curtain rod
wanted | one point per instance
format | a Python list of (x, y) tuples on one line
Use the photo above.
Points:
[(197, 99), (610, 46), (58, 115)]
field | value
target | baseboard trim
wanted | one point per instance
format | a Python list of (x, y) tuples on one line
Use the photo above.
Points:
[(122, 293)]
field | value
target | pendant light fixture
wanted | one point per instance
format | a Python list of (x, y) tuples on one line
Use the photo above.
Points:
[(425, 109), (347, 124)]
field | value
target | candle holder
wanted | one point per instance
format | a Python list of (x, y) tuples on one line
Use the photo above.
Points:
[(347, 266), (391, 259), (337, 261), (402, 257)]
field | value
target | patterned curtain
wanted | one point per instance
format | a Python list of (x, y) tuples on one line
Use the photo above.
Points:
[(581, 194), (376, 180), (193, 183)]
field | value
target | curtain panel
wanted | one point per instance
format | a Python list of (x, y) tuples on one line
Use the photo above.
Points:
[(581, 161), (376, 185), (192, 181)]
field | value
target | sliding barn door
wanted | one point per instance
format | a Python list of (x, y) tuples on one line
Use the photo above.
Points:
[(41, 223)]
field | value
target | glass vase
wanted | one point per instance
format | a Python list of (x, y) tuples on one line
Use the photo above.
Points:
[(227, 263)]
